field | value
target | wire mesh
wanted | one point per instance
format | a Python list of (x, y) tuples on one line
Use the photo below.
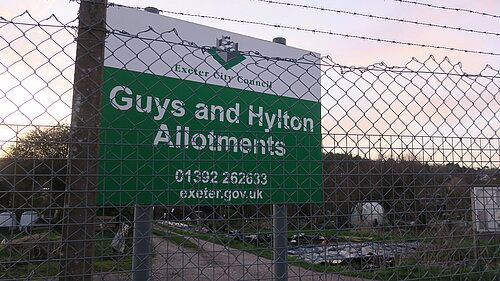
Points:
[(403, 166)]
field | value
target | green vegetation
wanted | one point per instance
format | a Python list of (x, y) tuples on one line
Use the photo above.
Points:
[(42, 270), (15, 265)]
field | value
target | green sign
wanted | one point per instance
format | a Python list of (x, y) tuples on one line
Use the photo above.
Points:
[(206, 132)]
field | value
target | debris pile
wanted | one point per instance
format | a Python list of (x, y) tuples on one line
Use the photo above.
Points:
[(187, 227), (259, 239), (362, 255), (36, 246)]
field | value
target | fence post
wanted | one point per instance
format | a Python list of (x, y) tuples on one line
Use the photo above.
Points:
[(475, 238), (80, 202), (280, 239)]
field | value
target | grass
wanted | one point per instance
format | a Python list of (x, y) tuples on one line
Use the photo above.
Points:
[(379, 235), (14, 265), (44, 270)]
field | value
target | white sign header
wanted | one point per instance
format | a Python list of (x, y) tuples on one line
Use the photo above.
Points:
[(150, 43)]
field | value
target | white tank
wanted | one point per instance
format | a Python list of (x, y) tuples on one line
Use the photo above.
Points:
[(367, 214)]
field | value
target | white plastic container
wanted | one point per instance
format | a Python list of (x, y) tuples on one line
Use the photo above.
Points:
[(28, 219), (8, 221)]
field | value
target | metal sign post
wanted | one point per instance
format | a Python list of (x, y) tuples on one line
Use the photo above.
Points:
[(280, 240), (143, 225)]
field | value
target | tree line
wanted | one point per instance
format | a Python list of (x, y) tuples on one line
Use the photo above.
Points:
[(34, 170)]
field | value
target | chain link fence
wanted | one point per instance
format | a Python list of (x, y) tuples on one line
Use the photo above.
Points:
[(397, 179)]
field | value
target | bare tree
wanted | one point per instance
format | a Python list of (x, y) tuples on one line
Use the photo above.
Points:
[(34, 170)]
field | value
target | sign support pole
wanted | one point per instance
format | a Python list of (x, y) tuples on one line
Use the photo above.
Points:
[(143, 225), (280, 239), (280, 242)]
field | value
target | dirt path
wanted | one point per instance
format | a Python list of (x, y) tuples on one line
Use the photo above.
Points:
[(216, 262)]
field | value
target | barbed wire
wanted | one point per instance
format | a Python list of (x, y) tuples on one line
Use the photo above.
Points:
[(379, 17), (65, 26), (368, 38), (325, 60), (447, 8)]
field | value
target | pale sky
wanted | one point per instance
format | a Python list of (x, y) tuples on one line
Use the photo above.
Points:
[(21, 107), (344, 51)]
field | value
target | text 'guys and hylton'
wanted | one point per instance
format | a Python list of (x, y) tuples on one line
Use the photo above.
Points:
[(122, 98)]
